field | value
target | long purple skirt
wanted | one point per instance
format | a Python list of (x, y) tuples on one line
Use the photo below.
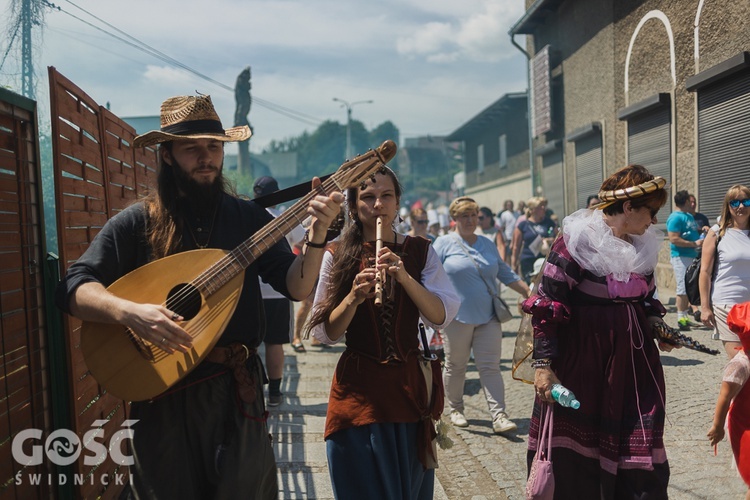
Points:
[(612, 447)]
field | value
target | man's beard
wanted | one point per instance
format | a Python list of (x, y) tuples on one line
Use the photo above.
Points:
[(202, 196)]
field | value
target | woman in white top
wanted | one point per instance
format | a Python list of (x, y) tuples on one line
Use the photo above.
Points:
[(731, 272), (378, 428)]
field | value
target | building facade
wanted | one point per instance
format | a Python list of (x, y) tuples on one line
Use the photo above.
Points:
[(496, 152), (665, 84)]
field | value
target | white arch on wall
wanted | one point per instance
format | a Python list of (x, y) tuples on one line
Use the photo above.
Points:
[(696, 34), (654, 14)]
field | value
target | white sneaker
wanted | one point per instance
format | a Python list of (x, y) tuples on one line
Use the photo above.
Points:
[(458, 419), (503, 424)]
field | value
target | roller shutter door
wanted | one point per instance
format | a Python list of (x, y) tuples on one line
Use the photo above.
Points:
[(588, 168), (723, 140), (649, 144), (552, 182)]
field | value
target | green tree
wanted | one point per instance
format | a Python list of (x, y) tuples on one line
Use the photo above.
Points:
[(323, 151)]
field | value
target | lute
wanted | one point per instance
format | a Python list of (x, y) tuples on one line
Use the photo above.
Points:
[(203, 286)]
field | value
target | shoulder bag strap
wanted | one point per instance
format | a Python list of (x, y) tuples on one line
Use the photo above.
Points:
[(466, 251), (545, 431), (716, 255)]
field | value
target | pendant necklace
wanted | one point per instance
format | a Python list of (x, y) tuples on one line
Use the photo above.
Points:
[(210, 230)]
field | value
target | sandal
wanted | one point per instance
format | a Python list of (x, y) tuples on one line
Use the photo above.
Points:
[(298, 347)]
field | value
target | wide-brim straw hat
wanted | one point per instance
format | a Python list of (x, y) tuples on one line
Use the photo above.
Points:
[(191, 117)]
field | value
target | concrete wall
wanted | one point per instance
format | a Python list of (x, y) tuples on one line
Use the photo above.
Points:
[(516, 187), (609, 54)]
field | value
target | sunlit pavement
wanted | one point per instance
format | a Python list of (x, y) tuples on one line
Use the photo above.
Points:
[(482, 465)]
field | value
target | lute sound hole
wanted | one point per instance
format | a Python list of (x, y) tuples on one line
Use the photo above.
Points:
[(185, 300)]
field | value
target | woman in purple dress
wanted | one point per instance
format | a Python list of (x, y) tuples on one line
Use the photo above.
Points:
[(593, 315)]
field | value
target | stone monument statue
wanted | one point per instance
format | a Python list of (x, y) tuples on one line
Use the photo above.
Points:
[(243, 102)]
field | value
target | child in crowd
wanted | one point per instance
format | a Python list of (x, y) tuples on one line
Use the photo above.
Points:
[(734, 396)]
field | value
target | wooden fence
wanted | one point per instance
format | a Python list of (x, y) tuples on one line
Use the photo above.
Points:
[(24, 389), (97, 174)]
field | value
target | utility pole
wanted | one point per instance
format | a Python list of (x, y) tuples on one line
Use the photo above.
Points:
[(27, 14), (27, 71), (349, 106)]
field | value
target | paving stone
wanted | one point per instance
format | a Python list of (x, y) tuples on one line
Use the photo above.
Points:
[(482, 465)]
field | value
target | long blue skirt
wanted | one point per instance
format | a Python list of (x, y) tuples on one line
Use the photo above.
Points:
[(378, 461)]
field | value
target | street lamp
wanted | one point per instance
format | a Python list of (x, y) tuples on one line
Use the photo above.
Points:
[(349, 106)]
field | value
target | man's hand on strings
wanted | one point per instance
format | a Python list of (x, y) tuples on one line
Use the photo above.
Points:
[(159, 326)]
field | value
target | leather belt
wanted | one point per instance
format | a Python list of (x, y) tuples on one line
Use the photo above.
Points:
[(234, 357)]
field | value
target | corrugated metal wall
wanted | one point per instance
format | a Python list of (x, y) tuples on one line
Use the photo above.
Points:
[(588, 168), (649, 144), (723, 141)]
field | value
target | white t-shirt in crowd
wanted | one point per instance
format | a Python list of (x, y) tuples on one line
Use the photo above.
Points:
[(507, 222), (731, 284)]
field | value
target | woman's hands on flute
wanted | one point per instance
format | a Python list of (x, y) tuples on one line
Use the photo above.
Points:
[(363, 286), (392, 264)]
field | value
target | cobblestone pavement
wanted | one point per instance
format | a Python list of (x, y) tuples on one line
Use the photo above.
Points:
[(482, 465)]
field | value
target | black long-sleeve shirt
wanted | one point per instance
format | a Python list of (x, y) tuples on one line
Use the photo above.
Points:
[(121, 246)]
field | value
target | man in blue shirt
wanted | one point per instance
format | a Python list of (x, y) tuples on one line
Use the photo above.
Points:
[(685, 243)]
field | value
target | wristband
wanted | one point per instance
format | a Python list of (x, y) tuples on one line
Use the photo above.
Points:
[(311, 244), (541, 363)]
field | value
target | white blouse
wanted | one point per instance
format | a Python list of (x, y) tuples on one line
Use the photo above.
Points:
[(434, 279)]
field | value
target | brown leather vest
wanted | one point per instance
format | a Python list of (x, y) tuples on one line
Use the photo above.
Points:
[(391, 342)]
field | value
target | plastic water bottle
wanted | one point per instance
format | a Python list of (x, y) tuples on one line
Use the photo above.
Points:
[(565, 397)]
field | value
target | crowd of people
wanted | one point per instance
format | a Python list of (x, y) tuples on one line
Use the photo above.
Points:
[(374, 282)]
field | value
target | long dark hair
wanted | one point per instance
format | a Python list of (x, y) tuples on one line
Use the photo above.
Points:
[(164, 219), (347, 255)]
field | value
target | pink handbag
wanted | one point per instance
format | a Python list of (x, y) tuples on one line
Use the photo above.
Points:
[(541, 482)]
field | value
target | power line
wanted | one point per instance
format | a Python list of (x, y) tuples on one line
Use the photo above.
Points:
[(10, 42), (144, 47)]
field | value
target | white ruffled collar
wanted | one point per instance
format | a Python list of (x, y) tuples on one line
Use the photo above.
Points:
[(594, 247)]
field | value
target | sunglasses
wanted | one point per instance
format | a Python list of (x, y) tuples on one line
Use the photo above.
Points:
[(652, 211), (422, 221), (737, 203)]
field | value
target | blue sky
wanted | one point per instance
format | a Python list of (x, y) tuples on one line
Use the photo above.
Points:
[(428, 65)]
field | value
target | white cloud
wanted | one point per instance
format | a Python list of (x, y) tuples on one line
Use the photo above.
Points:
[(480, 36), (431, 38), (165, 76), (428, 65)]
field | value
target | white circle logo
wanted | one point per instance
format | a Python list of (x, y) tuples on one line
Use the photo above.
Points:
[(63, 447)]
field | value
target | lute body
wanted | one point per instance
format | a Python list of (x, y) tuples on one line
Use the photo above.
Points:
[(118, 361)]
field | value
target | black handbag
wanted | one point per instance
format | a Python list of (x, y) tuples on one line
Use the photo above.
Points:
[(692, 277)]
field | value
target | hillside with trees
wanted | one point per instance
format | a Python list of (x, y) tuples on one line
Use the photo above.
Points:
[(323, 151)]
